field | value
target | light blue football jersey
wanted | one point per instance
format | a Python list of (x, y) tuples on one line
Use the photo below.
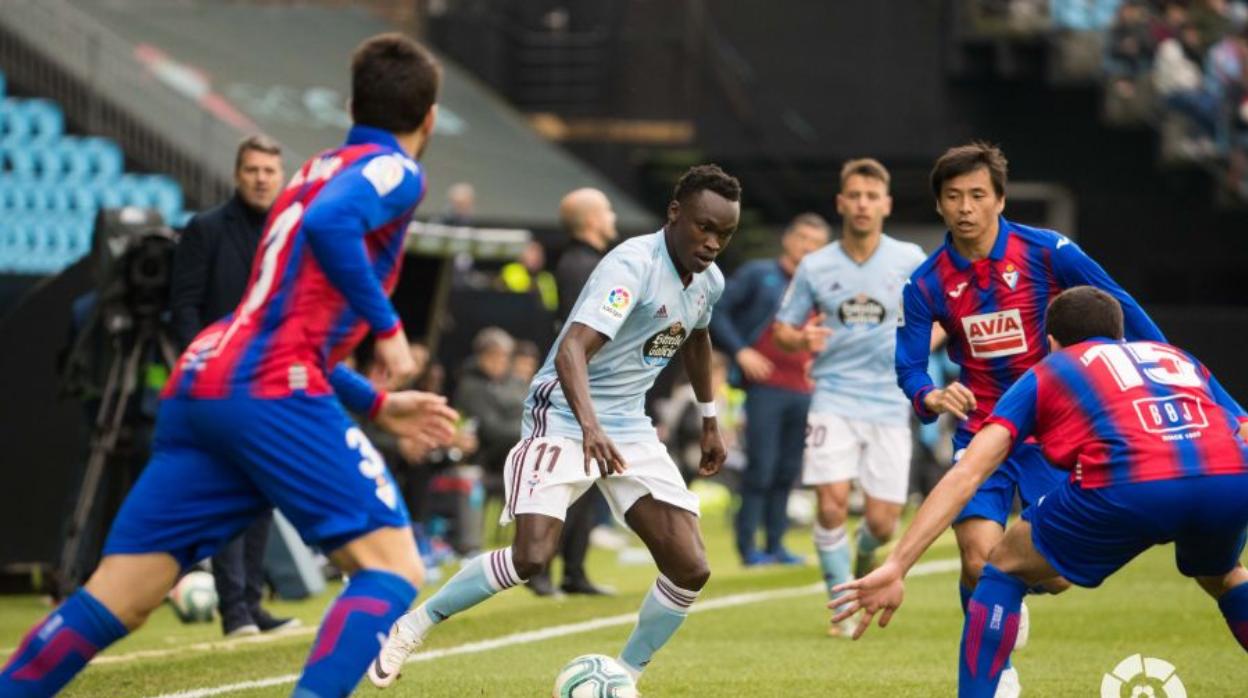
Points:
[(854, 377), (635, 298)]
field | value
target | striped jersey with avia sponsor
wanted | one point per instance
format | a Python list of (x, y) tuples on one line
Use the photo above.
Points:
[(635, 297), (993, 311), (1118, 412), (862, 304), (327, 262)]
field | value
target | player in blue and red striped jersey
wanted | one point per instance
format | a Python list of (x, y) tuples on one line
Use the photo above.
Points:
[(988, 286), (1156, 452), (253, 415)]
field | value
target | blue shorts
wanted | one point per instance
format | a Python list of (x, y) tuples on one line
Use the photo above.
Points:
[(1025, 470), (217, 464), (1088, 534)]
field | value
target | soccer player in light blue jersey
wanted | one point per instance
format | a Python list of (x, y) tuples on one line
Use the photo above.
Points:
[(585, 424), (859, 421)]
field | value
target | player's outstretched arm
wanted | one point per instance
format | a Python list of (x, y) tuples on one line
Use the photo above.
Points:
[(696, 355), (423, 418), (882, 591), (578, 346), (1075, 268)]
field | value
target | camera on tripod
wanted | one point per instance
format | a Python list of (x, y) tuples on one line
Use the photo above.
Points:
[(124, 335), (132, 252)]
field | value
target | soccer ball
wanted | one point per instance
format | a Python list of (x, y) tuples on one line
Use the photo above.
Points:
[(594, 676), (194, 598)]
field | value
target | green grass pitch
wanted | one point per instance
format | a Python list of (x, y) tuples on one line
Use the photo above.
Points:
[(766, 647)]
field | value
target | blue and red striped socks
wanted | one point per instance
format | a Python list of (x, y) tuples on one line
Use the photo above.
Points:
[(352, 632), (991, 626), (1234, 607), (54, 651)]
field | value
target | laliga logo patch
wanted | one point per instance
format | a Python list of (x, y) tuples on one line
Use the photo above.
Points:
[(618, 300), (1138, 676), (1010, 276), (660, 348)]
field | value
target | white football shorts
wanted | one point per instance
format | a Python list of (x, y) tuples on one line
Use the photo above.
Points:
[(839, 449), (545, 475)]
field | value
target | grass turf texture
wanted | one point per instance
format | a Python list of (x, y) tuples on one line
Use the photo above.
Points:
[(770, 648)]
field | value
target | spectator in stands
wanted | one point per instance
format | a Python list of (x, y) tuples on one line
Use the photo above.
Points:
[(589, 221), (1212, 21), (489, 394), (461, 205), (525, 361), (1130, 46), (210, 271), (1179, 80), (1169, 21), (528, 275), (777, 387)]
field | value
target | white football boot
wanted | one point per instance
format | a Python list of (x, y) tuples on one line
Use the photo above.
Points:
[(401, 643), (1009, 686), (1024, 628)]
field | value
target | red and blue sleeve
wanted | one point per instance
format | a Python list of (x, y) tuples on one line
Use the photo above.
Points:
[(352, 204), (355, 392), (1016, 410), (914, 339), (1075, 268)]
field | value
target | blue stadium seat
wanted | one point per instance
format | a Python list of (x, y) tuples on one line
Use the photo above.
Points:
[(46, 120)]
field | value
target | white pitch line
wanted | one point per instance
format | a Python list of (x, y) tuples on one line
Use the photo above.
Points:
[(919, 570)]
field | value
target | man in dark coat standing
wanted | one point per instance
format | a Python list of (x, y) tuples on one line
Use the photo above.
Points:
[(588, 218), (210, 272)]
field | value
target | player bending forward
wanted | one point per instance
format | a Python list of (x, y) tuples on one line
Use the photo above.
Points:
[(1156, 452), (253, 415), (585, 423)]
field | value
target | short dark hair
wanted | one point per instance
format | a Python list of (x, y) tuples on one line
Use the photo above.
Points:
[(808, 219), (1082, 312), (394, 83), (259, 143), (865, 167), (707, 178), (964, 159)]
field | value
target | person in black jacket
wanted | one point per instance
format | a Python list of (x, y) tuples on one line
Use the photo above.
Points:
[(210, 271), (588, 218)]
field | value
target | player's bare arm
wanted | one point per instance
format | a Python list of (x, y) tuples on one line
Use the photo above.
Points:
[(697, 357), (572, 364), (882, 591), (394, 356), (955, 398), (811, 336), (423, 418)]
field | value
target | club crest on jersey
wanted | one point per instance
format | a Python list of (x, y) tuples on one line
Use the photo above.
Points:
[(617, 302), (995, 334), (663, 345), (861, 311), (1010, 275)]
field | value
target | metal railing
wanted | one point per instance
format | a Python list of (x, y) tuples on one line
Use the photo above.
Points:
[(66, 55)]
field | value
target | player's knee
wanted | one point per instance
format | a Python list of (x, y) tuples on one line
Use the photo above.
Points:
[(832, 514), (882, 527), (693, 575), (973, 561), (531, 559)]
